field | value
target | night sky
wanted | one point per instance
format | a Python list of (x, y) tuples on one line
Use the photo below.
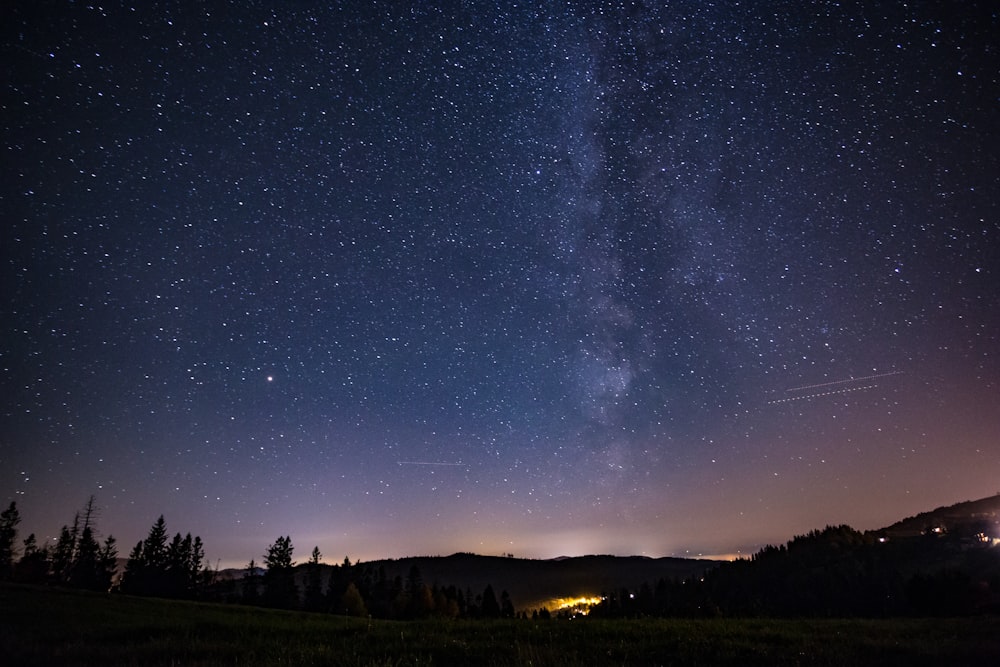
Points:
[(676, 279)]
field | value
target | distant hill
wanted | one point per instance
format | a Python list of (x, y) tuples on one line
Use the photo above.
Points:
[(902, 568), (972, 516), (531, 584), (945, 562), (535, 583)]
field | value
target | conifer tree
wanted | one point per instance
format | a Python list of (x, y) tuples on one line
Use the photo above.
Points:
[(65, 552), (83, 572), (506, 606), (107, 564), (9, 519), (154, 547), (33, 568), (351, 602), (490, 608), (250, 585), (314, 600), (134, 571), (419, 598), (279, 581), (158, 569), (197, 573)]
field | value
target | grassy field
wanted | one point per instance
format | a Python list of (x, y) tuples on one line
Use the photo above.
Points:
[(59, 628)]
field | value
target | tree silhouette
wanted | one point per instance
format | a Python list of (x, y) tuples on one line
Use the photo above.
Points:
[(506, 606), (352, 603), (154, 547), (251, 584), (33, 568), (418, 601), (489, 608), (107, 564), (77, 560), (146, 569), (279, 579), (161, 570), (9, 519), (183, 566), (84, 570), (314, 599), (62, 556)]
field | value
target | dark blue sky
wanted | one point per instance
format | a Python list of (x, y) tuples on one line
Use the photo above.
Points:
[(544, 280)]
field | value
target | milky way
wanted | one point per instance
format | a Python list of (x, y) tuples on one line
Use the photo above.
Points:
[(539, 280)]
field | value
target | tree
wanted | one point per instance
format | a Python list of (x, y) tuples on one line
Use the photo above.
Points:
[(506, 606), (314, 600), (183, 566), (161, 570), (107, 564), (419, 598), (490, 608), (65, 552), (83, 569), (33, 568), (352, 603), (279, 580), (251, 583), (146, 569), (9, 519), (134, 571), (154, 547), (83, 572)]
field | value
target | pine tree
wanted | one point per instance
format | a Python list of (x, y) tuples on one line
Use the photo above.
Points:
[(178, 580), (506, 606), (134, 571), (83, 572), (251, 582), (146, 572), (279, 581), (154, 547), (314, 600), (33, 568), (9, 519), (65, 553), (419, 598), (195, 573), (352, 603), (107, 563), (490, 608)]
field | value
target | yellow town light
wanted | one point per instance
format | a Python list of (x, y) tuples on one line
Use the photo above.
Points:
[(578, 605)]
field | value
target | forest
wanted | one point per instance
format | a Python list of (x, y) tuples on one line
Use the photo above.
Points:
[(939, 570)]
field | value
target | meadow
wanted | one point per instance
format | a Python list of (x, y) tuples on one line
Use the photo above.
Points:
[(56, 627)]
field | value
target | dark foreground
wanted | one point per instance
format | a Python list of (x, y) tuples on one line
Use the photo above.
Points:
[(56, 627)]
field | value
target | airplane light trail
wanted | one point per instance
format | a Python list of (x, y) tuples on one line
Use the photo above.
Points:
[(824, 393), (835, 382), (431, 463)]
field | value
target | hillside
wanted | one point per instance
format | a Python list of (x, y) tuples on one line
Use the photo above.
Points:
[(535, 583), (971, 517), (947, 558), (945, 562)]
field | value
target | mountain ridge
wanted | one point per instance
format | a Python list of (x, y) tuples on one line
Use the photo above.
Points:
[(536, 583)]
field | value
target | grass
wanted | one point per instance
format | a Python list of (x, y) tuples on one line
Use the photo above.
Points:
[(52, 627)]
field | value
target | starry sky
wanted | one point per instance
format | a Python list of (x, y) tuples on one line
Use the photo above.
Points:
[(553, 279)]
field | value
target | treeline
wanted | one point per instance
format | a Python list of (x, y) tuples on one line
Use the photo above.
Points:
[(834, 572), (354, 589), (159, 566), (76, 560)]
